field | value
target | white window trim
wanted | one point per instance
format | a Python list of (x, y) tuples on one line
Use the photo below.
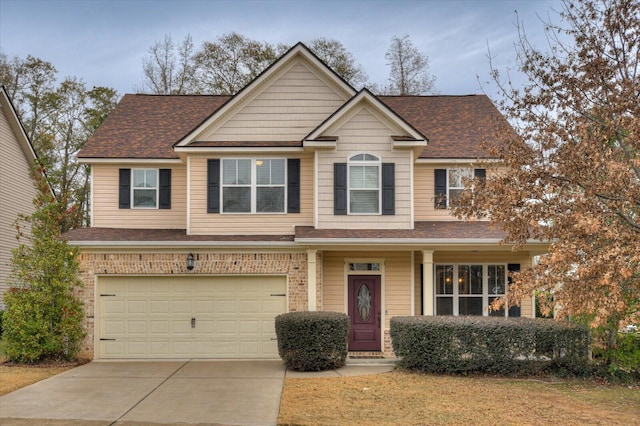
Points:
[(461, 188), (377, 163), (485, 287), (253, 185), (133, 188)]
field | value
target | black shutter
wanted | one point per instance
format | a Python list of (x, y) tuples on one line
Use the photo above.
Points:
[(440, 183), (388, 188), (164, 199), (514, 311), (340, 188), (124, 191), (480, 173), (293, 185), (213, 186)]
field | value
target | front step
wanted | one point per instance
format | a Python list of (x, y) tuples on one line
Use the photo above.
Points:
[(369, 358)]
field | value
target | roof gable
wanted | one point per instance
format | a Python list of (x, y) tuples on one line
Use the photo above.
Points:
[(405, 134), (297, 77)]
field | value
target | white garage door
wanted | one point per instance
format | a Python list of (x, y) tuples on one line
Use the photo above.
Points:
[(189, 317)]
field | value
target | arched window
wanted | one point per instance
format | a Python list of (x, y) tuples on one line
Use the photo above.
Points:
[(364, 184)]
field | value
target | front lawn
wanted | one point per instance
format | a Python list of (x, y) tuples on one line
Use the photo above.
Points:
[(15, 377), (414, 399)]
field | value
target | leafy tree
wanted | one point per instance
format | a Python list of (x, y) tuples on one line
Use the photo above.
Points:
[(336, 56), (169, 69), (43, 318), (409, 69), (59, 119), (571, 172), (228, 64)]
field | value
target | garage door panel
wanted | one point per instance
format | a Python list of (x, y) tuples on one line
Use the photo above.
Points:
[(151, 317), (136, 307), (227, 306), (181, 306), (137, 328), (110, 306), (204, 306), (159, 307), (273, 306), (159, 328), (249, 306)]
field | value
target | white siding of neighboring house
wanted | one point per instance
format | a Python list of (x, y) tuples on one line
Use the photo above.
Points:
[(365, 132), (17, 191), (289, 107)]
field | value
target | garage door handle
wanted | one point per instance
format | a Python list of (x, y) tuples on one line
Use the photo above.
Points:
[(279, 294), (193, 323), (107, 339)]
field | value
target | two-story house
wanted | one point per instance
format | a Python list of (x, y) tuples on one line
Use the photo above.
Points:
[(17, 189), (212, 214)]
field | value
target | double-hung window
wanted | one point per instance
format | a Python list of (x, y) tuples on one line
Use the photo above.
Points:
[(469, 289), (364, 184), (145, 188), (253, 185), (455, 183), (449, 184)]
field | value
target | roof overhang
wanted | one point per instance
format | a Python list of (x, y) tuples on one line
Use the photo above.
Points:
[(90, 160)]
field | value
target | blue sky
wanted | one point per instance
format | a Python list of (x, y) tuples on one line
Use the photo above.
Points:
[(103, 41)]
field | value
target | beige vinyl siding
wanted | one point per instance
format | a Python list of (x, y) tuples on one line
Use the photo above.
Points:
[(288, 109), (203, 223), (107, 214), (424, 191), (362, 132), (396, 278), (16, 193), (466, 257)]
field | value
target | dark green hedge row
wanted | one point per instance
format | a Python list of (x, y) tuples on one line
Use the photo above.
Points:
[(313, 341), (445, 344)]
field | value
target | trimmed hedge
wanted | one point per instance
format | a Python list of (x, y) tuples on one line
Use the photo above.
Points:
[(313, 341), (446, 344)]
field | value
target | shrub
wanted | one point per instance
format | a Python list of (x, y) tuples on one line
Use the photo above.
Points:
[(39, 326), (1, 315), (442, 344), (622, 363), (43, 318), (313, 341)]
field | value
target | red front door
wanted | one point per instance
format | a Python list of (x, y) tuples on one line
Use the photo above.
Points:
[(364, 312)]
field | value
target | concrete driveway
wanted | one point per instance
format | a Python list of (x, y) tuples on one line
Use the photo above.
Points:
[(164, 392)]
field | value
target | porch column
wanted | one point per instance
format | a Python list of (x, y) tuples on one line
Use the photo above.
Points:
[(427, 282), (311, 279)]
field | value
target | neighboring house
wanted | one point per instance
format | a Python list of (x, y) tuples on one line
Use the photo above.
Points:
[(17, 190), (211, 215)]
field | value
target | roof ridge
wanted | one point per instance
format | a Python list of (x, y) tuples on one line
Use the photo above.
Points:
[(159, 95)]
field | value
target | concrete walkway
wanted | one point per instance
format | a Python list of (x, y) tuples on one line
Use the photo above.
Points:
[(131, 393)]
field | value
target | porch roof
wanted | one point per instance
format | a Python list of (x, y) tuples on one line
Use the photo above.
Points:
[(441, 233)]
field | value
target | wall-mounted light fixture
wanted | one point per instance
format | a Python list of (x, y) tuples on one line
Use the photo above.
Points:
[(190, 262)]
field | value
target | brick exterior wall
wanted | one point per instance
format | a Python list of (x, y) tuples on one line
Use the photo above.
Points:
[(292, 264)]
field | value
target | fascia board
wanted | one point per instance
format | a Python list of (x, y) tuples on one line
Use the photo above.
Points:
[(457, 160), (180, 244), (89, 160), (244, 150)]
